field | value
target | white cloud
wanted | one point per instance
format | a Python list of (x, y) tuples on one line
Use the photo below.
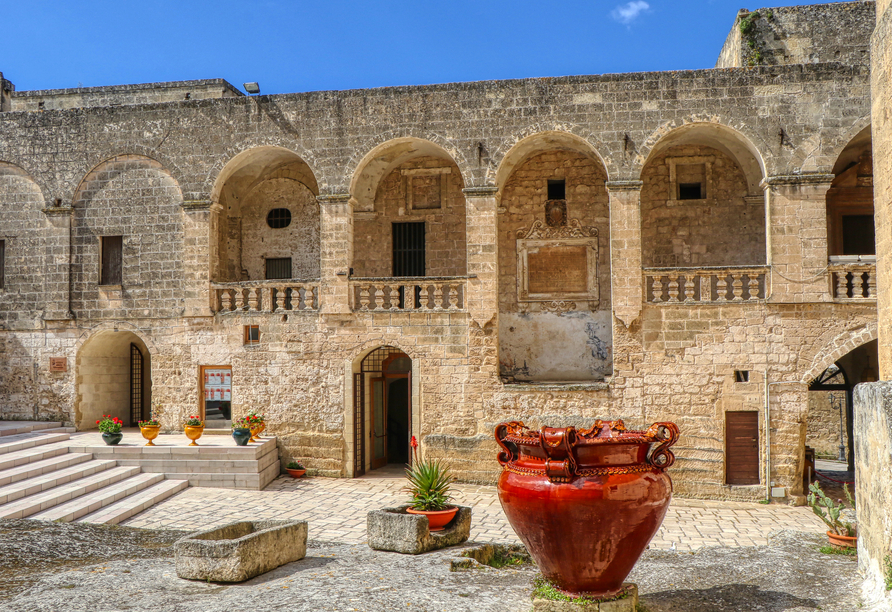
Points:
[(627, 13)]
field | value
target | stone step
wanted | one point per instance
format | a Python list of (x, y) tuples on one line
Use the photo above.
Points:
[(92, 502), (251, 452), (31, 504), (32, 455), (201, 466), (12, 428), (12, 444), (136, 503), (36, 484), (68, 430), (38, 468), (244, 480)]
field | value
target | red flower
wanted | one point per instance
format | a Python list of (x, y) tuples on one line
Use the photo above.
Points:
[(97, 422), (414, 442)]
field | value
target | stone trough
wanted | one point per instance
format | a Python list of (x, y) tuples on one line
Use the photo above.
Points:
[(395, 530), (239, 551)]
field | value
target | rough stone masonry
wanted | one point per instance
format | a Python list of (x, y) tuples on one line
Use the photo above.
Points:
[(363, 266)]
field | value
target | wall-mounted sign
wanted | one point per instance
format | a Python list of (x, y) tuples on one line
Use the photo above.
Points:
[(218, 385), (58, 364)]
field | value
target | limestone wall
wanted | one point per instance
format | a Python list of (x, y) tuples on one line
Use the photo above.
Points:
[(822, 433), (881, 85)]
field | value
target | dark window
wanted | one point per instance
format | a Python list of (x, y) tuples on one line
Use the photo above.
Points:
[(278, 218), (408, 249), (690, 191), (278, 268), (252, 334), (557, 189), (2, 263), (112, 248), (858, 237), (741, 375)]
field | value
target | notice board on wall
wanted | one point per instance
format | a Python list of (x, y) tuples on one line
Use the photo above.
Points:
[(218, 385)]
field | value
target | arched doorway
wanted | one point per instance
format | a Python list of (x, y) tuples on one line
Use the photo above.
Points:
[(382, 410), (113, 378)]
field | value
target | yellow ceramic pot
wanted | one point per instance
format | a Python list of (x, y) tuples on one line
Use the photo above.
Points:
[(193, 432), (150, 432), (255, 431)]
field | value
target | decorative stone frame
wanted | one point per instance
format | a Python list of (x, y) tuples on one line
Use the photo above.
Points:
[(673, 163), (408, 174), (573, 235)]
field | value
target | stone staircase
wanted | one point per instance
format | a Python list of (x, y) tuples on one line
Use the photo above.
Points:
[(42, 477)]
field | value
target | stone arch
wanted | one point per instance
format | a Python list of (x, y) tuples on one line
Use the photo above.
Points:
[(821, 151), (10, 169), (260, 159), (112, 375), (365, 349), (538, 139), (736, 142), (850, 205), (253, 184), (840, 345), (96, 159)]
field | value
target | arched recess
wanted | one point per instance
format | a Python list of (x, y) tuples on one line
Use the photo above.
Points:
[(408, 212), (268, 222), (22, 235), (385, 409), (128, 217), (113, 377), (701, 200), (850, 220), (554, 262)]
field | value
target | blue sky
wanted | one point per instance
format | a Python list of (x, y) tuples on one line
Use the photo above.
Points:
[(293, 46)]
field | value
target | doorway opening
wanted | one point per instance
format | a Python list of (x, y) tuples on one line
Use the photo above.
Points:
[(382, 410)]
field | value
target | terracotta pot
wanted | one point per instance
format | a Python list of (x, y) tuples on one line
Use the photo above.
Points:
[(296, 473), (193, 432), (436, 519), (842, 541), (585, 502), (150, 432)]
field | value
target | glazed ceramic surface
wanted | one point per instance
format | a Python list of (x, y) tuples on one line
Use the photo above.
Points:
[(193, 432), (150, 432), (241, 435), (586, 502), (436, 519), (112, 438)]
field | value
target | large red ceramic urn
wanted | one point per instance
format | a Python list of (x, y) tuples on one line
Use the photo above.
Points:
[(586, 502)]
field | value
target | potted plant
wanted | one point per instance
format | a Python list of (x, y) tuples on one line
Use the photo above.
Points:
[(429, 483), (149, 430), (296, 469), (193, 427), (841, 533), (257, 423), (111, 429), (241, 431)]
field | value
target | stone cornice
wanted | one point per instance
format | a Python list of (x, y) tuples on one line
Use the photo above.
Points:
[(333, 198), (480, 192), (811, 178), (196, 205), (624, 185), (57, 211)]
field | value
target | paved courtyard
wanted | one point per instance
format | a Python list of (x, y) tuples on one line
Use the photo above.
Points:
[(336, 509)]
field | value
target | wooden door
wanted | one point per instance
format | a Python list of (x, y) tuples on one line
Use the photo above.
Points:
[(379, 423), (742, 448)]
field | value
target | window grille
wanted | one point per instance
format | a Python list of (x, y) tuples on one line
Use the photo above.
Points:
[(278, 218), (278, 268), (111, 248), (408, 249)]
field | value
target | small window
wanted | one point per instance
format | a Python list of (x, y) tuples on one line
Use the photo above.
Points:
[(252, 334), (278, 218), (741, 376), (278, 268), (858, 235), (111, 248), (557, 189), (408, 249), (690, 191), (2, 264)]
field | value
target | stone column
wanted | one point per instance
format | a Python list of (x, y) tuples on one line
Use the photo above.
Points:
[(57, 261), (796, 221), (483, 255), (336, 252), (625, 249), (881, 128), (199, 249)]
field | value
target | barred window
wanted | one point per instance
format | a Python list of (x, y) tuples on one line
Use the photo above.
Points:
[(278, 268), (278, 218), (111, 248)]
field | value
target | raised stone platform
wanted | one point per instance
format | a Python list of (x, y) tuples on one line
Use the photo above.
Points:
[(395, 530), (215, 462), (627, 603)]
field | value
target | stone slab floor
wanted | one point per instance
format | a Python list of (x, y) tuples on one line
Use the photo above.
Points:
[(336, 509)]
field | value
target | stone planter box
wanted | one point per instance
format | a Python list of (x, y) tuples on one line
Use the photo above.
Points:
[(395, 530), (239, 551)]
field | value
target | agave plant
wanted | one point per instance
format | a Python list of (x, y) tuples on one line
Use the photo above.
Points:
[(429, 482), (828, 511)]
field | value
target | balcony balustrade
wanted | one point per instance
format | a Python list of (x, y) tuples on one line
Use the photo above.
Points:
[(708, 285), (266, 296), (853, 278), (440, 293)]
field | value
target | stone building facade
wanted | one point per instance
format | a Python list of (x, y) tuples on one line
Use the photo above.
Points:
[(367, 265)]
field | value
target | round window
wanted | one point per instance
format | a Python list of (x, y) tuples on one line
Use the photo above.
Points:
[(279, 218)]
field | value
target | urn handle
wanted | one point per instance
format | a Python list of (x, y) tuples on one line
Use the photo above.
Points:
[(560, 465), (509, 449), (667, 435)]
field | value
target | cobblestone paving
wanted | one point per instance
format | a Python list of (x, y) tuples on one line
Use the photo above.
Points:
[(336, 509)]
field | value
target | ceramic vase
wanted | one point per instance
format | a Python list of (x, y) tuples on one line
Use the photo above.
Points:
[(112, 438), (150, 432), (585, 502), (193, 432), (241, 435)]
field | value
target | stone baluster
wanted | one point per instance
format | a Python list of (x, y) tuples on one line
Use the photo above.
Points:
[(673, 288), (394, 296), (378, 300), (240, 299), (706, 287), (688, 286), (252, 299), (280, 298), (364, 297), (226, 300), (842, 290), (753, 286), (452, 296), (310, 297), (722, 287), (657, 289), (438, 296), (737, 287), (872, 283)]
